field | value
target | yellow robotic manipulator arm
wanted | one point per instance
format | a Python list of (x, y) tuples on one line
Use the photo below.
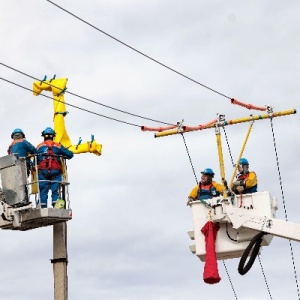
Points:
[(58, 87)]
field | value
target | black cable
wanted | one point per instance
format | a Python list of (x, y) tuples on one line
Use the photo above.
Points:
[(253, 247), (229, 150), (229, 234), (283, 200), (190, 159), (265, 278), (139, 52), (72, 105), (84, 98), (232, 287)]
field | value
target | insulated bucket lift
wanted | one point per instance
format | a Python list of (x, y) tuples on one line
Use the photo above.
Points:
[(233, 236), (242, 223), (17, 213)]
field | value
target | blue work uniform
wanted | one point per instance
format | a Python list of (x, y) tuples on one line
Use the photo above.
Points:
[(250, 180), (207, 191), (49, 156), (22, 148)]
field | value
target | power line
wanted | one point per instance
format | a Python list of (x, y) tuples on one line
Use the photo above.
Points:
[(265, 278), (72, 105), (139, 52), (87, 99), (284, 206)]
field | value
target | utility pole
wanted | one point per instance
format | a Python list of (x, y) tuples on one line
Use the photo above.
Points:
[(60, 261)]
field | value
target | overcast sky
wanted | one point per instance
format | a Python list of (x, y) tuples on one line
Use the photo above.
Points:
[(128, 237)]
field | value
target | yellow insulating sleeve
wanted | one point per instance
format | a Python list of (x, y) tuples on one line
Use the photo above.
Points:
[(34, 186), (59, 122), (64, 170), (167, 132), (231, 122), (56, 86), (61, 132), (93, 147), (38, 87), (241, 153), (59, 104), (220, 154), (260, 117)]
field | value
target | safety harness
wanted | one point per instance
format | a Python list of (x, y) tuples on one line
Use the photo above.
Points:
[(244, 177), (204, 193), (12, 143), (50, 161)]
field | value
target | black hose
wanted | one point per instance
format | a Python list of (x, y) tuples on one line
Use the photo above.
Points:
[(229, 234), (255, 244)]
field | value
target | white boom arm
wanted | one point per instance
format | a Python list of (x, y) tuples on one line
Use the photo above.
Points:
[(241, 218)]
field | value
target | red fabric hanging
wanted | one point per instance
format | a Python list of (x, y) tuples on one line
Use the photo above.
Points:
[(211, 273)]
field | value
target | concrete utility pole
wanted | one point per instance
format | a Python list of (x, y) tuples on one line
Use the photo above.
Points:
[(60, 261)]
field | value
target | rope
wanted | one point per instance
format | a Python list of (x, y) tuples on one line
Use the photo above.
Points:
[(265, 278), (283, 200), (190, 159), (227, 142), (229, 280)]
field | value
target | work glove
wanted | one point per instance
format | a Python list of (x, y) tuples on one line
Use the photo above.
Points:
[(2, 195), (236, 183), (240, 188), (190, 199)]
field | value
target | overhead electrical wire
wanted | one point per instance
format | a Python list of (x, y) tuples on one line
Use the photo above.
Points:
[(87, 99), (284, 205), (137, 51), (72, 105)]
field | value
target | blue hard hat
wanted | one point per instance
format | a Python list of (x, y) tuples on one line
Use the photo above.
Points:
[(48, 131), (208, 171), (17, 130), (244, 161)]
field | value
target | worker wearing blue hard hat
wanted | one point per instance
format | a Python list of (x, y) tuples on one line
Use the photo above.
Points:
[(49, 155), (207, 188), (21, 147), (246, 181)]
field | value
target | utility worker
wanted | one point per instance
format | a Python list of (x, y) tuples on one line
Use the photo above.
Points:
[(207, 188), (246, 182), (49, 155), (21, 147)]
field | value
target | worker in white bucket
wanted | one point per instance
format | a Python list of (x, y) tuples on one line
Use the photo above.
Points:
[(207, 188), (246, 181)]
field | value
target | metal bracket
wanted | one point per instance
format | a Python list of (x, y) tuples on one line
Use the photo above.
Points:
[(57, 260), (180, 126)]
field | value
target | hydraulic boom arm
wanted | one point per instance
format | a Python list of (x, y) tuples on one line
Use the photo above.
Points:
[(241, 218)]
